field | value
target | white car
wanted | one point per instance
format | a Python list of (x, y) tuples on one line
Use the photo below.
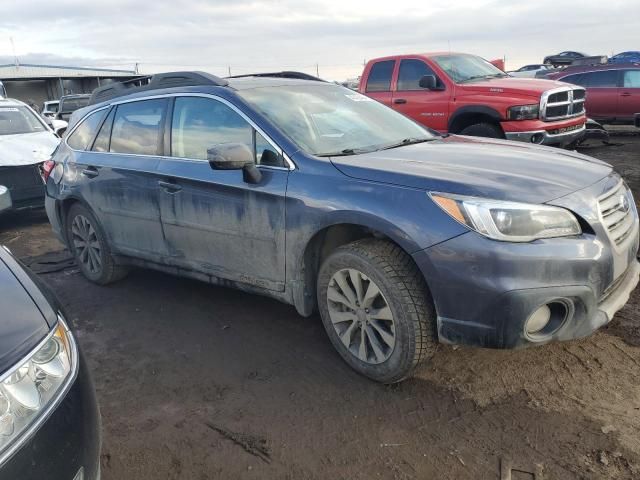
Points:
[(26, 141), (530, 71)]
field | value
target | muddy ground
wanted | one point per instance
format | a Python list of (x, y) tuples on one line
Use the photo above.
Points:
[(199, 382)]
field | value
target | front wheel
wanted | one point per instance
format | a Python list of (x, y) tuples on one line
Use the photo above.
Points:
[(376, 309), (487, 130)]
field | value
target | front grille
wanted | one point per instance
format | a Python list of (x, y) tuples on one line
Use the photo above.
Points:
[(24, 182), (562, 103), (616, 212)]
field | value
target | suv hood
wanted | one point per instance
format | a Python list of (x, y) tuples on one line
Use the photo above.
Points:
[(23, 324), (479, 167), (27, 148), (529, 87)]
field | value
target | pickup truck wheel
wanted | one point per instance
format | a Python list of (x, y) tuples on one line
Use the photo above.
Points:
[(488, 130), (376, 309), (89, 247)]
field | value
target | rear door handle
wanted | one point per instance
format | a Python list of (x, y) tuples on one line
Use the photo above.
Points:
[(625, 94), (90, 172), (400, 101), (170, 186)]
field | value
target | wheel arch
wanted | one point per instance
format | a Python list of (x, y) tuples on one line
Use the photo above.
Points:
[(64, 205), (469, 115)]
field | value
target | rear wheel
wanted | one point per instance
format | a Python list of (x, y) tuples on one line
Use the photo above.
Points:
[(90, 248), (488, 130), (376, 309)]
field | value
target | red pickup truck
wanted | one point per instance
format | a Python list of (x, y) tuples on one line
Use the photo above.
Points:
[(465, 94)]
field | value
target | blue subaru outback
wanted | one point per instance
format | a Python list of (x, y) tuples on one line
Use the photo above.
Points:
[(318, 196)]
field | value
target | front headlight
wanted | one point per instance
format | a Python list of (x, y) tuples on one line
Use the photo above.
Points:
[(523, 112), (509, 221), (32, 388)]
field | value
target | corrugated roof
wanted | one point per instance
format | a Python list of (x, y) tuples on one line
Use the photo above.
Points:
[(15, 72)]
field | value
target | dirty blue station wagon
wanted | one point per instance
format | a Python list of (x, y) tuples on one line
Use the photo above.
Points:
[(322, 198)]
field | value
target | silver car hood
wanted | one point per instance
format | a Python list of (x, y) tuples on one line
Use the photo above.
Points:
[(27, 148)]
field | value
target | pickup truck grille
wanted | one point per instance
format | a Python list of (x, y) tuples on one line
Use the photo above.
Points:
[(616, 213), (562, 103)]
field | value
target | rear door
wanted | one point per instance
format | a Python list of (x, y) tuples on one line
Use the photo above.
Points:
[(629, 101), (378, 81), (214, 222), (602, 92), (429, 107)]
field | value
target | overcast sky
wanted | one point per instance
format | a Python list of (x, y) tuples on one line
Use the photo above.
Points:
[(338, 35)]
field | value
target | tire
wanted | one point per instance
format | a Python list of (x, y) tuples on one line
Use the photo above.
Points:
[(401, 288), (487, 130), (95, 262)]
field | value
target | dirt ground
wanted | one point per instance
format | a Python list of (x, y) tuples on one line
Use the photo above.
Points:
[(198, 382)]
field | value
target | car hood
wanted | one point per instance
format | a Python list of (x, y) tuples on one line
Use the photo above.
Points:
[(480, 167), (529, 87), (26, 148), (23, 324)]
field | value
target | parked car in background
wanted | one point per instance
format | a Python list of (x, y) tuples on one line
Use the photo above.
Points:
[(530, 71), (613, 90), (69, 104), (465, 94), (626, 57), (318, 196), (50, 108), (26, 141), (3, 91), (49, 420), (563, 58)]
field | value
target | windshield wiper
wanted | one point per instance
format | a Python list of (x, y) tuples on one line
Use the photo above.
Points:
[(407, 141), (345, 152)]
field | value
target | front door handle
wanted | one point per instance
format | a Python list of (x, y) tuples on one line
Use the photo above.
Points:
[(170, 186), (625, 94), (90, 172), (399, 101)]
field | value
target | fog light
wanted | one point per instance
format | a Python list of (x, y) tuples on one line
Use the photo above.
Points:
[(538, 320), (537, 138)]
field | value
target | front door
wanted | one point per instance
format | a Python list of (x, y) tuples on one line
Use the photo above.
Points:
[(214, 222)]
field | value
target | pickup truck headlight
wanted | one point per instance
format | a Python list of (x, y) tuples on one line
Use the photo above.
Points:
[(32, 388), (509, 221), (523, 112)]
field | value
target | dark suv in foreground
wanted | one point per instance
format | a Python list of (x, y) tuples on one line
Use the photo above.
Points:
[(325, 199)]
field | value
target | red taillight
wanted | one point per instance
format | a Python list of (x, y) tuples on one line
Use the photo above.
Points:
[(46, 168)]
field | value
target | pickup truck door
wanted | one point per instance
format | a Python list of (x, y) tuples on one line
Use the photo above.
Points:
[(378, 81), (629, 99), (214, 221), (428, 107)]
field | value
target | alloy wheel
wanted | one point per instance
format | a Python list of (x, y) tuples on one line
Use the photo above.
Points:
[(86, 244), (361, 316)]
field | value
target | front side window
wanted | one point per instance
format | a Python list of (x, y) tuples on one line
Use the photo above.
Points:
[(380, 76), (17, 120), (201, 123), (411, 71), (137, 127), (466, 68), (82, 136), (604, 79), (632, 79)]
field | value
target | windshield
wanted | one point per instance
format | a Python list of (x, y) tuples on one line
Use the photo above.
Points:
[(69, 105), (327, 120), (464, 68), (16, 120)]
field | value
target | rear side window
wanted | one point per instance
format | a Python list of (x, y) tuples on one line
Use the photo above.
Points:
[(604, 79), (201, 123), (411, 71), (380, 76), (101, 143), (576, 79), (83, 135), (632, 78), (137, 127)]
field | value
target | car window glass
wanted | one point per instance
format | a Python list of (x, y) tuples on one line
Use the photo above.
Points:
[(576, 79), (411, 71), (201, 123), (607, 78), (266, 154), (632, 78), (82, 136), (137, 127), (101, 143), (380, 76)]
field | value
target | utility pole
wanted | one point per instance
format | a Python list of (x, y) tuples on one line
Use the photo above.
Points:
[(229, 68), (317, 71), (15, 57)]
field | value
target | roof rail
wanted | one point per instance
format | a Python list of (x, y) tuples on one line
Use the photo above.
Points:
[(283, 74), (155, 82)]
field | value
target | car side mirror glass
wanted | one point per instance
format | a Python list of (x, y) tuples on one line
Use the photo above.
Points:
[(428, 82), (230, 156)]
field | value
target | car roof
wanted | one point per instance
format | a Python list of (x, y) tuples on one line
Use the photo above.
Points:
[(11, 102), (596, 68), (245, 83)]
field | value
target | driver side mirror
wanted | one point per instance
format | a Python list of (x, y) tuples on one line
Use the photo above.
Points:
[(234, 156), (429, 82)]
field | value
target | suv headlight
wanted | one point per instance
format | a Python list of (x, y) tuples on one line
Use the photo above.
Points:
[(32, 388), (509, 221), (523, 112)]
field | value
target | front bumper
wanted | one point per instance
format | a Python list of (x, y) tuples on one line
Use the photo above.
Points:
[(559, 136), (66, 442)]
